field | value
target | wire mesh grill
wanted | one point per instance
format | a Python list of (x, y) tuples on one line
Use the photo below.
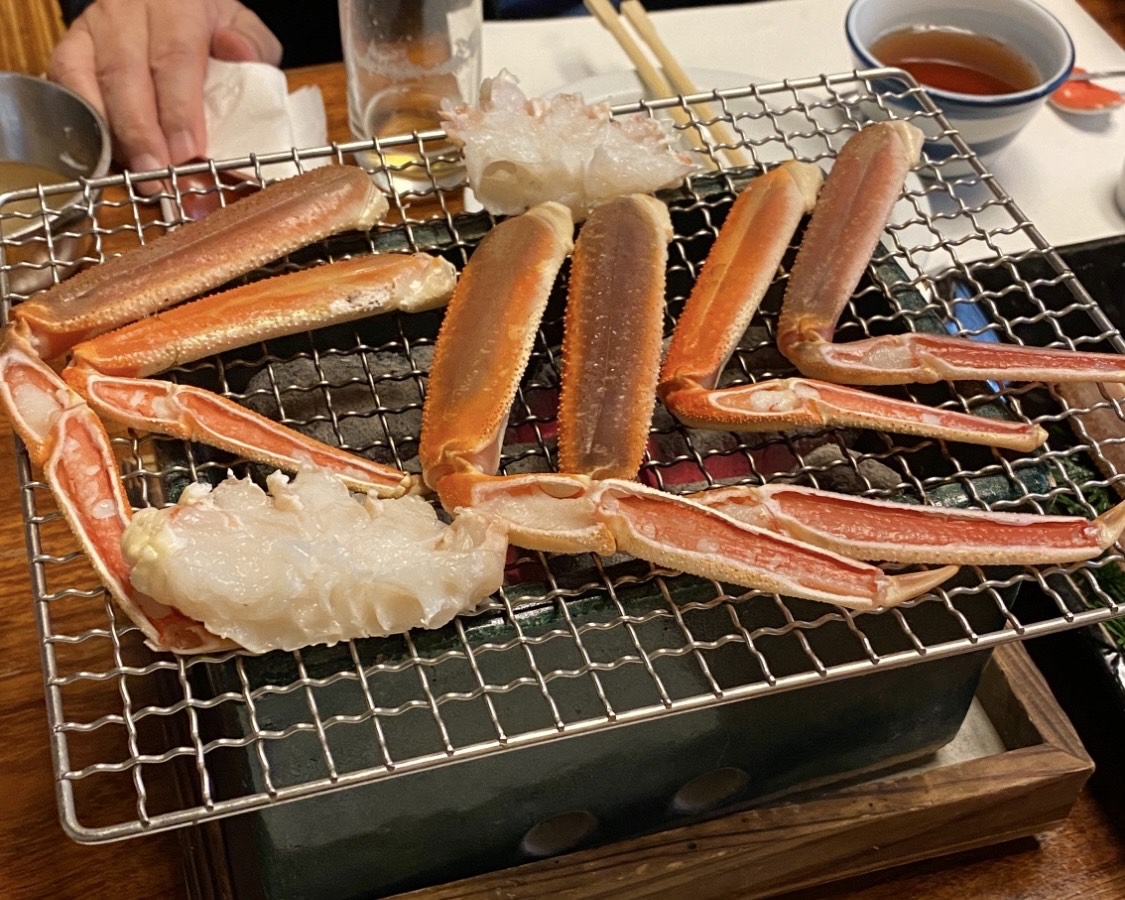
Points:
[(571, 645)]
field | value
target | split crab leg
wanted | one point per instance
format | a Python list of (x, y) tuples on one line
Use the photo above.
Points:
[(573, 512), (109, 371), (735, 277), (57, 420), (66, 440), (202, 255), (617, 516), (850, 215), (864, 528), (612, 334), (486, 339)]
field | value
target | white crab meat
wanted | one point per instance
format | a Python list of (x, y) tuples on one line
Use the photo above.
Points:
[(308, 563), (520, 152)]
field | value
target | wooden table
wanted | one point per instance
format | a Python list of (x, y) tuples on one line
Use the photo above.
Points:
[(1085, 858)]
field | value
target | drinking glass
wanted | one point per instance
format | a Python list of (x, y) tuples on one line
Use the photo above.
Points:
[(403, 58)]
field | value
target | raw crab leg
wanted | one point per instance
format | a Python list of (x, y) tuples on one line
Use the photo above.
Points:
[(802, 403), (864, 528), (202, 255), (845, 228), (108, 370), (735, 277), (573, 513), (613, 329), (66, 440), (486, 339)]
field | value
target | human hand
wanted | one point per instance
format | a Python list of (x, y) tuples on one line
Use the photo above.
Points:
[(142, 63)]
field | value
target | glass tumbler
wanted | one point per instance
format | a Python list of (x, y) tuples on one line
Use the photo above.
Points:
[(403, 58)]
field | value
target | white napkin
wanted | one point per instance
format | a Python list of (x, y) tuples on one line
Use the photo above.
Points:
[(248, 109)]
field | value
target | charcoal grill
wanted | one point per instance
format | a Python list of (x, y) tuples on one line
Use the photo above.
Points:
[(603, 695)]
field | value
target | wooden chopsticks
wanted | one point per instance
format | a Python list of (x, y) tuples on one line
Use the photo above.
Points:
[(670, 78)]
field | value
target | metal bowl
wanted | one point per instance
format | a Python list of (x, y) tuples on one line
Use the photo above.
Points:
[(41, 219)]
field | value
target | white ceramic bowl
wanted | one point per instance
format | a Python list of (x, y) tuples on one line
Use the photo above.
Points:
[(986, 122)]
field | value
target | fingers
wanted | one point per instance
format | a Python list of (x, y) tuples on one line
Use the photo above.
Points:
[(142, 64), (105, 57), (177, 57), (233, 46), (72, 65)]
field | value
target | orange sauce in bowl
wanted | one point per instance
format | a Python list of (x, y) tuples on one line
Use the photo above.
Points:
[(18, 176), (955, 60)]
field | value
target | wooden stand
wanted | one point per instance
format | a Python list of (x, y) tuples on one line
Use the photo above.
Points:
[(1026, 788), (1015, 770)]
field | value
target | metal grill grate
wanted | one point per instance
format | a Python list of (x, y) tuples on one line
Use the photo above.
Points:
[(571, 645)]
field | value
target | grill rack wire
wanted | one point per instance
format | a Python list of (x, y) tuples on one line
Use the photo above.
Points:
[(572, 646)]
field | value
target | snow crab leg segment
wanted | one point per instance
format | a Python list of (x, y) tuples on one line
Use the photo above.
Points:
[(541, 511), (317, 297), (202, 255), (107, 369), (864, 528), (612, 340), (926, 358), (852, 211), (66, 440), (193, 414), (486, 339), (802, 403), (626, 517), (736, 275)]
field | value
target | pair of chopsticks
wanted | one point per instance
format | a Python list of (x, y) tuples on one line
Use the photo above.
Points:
[(670, 78)]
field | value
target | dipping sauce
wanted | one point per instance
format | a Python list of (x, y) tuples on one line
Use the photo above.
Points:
[(18, 176), (955, 60)]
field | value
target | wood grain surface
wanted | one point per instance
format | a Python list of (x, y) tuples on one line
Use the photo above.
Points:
[(28, 32), (1085, 858)]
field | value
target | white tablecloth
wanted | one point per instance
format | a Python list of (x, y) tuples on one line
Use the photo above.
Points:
[(1060, 174)]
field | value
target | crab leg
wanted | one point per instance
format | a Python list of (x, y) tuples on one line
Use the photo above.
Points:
[(66, 440), (738, 271), (845, 228), (486, 339), (107, 370), (316, 297), (572, 513), (926, 358), (864, 528), (623, 516), (613, 330), (202, 255), (803, 403)]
